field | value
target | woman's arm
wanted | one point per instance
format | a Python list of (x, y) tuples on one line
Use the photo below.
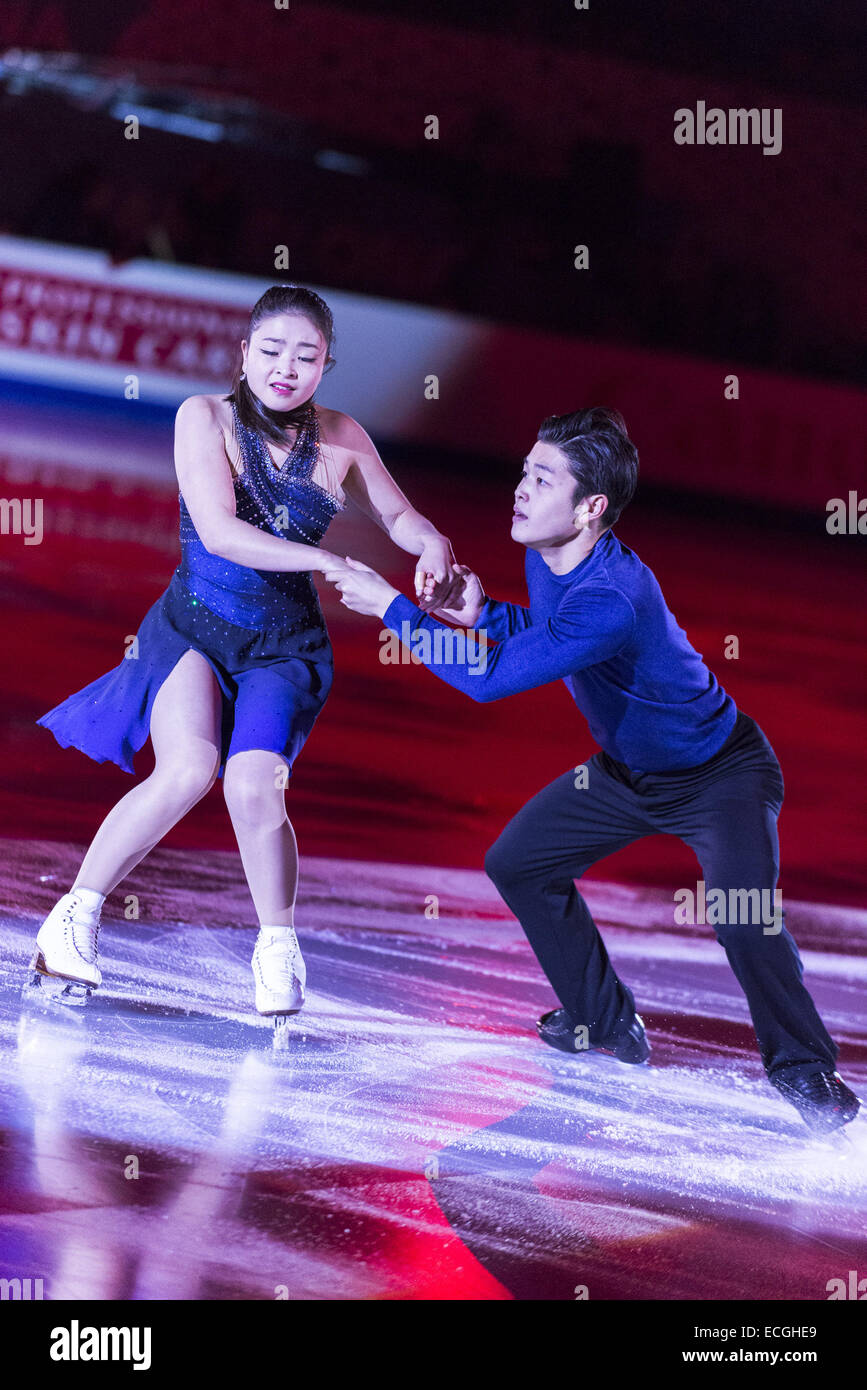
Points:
[(374, 491), (205, 481)]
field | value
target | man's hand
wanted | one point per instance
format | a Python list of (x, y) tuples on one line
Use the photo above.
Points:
[(361, 588), (466, 607)]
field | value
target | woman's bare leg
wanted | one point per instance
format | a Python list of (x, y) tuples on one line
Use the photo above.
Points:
[(253, 785), (185, 733)]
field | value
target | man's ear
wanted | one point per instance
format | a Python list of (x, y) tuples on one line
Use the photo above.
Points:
[(594, 509)]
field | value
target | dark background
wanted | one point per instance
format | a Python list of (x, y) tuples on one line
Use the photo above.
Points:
[(555, 127)]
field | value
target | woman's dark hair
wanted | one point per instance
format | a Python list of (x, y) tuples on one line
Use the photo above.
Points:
[(279, 299), (600, 455)]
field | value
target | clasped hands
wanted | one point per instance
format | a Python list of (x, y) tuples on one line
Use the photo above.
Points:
[(442, 587)]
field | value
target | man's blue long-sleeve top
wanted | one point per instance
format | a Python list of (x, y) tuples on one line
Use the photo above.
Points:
[(604, 628)]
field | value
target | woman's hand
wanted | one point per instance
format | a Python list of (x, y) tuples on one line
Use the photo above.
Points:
[(325, 561), (437, 582)]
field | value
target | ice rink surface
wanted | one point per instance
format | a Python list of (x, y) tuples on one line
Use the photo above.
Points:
[(412, 1138)]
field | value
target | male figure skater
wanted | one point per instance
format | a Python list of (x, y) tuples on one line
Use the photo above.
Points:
[(677, 757)]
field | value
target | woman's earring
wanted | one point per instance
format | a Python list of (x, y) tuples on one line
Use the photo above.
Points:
[(243, 376)]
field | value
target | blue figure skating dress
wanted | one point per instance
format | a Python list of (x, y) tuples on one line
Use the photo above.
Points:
[(261, 631)]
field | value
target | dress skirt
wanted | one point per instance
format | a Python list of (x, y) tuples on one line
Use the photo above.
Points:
[(274, 677)]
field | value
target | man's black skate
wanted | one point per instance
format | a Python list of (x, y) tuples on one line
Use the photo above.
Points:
[(631, 1046), (823, 1100)]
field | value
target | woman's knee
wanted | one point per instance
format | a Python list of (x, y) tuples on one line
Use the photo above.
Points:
[(253, 786), (186, 781)]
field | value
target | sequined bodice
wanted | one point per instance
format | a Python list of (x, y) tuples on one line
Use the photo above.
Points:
[(284, 501)]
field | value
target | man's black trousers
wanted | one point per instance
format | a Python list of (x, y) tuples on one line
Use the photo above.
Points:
[(726, 810)]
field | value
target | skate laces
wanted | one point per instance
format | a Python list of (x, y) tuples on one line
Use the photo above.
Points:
[(88, 947), (281, 960)]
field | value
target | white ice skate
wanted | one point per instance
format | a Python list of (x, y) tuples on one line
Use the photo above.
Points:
[(279, 972), (65, 963)]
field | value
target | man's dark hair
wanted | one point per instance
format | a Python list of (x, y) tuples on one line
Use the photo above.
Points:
[(600, 455)]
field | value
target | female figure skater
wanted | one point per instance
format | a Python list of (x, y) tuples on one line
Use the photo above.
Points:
[(233, 663)]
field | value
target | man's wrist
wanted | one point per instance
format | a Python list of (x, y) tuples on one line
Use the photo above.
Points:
[(389, 594), (482, 606)]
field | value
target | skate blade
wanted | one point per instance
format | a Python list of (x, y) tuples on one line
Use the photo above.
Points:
[(283, 1034), (838, 1135), (604, 1056), (598, 1053), (833, 1141), (43, 986)]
